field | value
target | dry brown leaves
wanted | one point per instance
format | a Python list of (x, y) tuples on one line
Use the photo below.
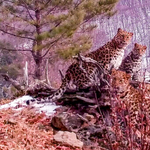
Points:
[(4, 101), (26, 130)]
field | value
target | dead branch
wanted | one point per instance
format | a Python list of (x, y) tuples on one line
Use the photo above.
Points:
[(61, 74), (87, 100), (26, 78), (2, 30), (15, 83), (47, 73)]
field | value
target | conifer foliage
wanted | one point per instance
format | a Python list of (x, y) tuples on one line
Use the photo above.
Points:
[(46, 26)]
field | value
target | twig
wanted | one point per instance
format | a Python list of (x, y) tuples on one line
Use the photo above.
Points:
[(26, 78), (85, 99), (24, 37), (82, 118), (61, 74), (47, 73)]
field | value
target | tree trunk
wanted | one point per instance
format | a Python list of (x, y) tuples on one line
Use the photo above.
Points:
[(38, 66), (38, 53)]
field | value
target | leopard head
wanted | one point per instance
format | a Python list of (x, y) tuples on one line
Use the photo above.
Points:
[(120, 81), (139, 49), (122, 38)]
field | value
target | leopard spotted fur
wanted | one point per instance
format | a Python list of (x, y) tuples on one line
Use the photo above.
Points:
[(135, 101), (132, 62)]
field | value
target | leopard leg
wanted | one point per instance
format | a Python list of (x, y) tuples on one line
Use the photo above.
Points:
[(123, 126), (135, 76), (133, 114)]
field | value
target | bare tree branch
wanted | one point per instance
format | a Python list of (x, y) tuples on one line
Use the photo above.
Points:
[(78, 3), (88, 100), (17, 16), (46, 4), (28, 10), (8, 49), (52, 43), (48, 12), (20, 4), (61, 74), (24, 37)]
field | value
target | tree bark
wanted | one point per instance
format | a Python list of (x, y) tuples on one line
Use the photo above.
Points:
[(38, 67), (38, 53)]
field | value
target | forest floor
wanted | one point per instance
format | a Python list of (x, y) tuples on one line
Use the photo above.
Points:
[(26, 130)]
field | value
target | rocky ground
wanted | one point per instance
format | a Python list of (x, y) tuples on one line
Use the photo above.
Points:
[(26, 128), (85, 119)]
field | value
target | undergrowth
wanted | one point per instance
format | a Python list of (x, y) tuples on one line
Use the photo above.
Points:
[(26, 130), (127, 137)]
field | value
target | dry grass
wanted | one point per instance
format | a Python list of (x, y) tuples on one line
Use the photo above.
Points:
[(4, 101), (138, 138), (26, 130)]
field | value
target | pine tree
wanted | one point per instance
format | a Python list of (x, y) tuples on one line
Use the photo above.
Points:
[(60, 26)]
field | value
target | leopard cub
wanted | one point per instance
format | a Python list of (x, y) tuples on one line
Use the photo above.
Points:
[(132, 62)]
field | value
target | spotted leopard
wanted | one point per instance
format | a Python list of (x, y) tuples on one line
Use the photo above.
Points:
[(109, 55), (136, 101), (132, 62)]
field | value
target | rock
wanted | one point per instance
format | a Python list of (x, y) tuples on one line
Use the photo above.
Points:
[(91, 133), (68, 138), (66, 121)]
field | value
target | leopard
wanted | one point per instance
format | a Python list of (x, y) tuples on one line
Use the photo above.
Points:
[(108, 56), (132, 62), (135, 102), (111, 54)]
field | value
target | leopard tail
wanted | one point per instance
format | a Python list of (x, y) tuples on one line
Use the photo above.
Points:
[(56, 95), (59, 93)]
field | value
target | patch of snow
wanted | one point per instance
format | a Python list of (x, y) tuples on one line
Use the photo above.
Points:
[(48, 108), (20, 103)]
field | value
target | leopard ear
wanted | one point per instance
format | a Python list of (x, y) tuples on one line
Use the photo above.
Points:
[(145, 47), (119, 30), (113, 71), (136, 45), (131, 33), (128, 75)]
